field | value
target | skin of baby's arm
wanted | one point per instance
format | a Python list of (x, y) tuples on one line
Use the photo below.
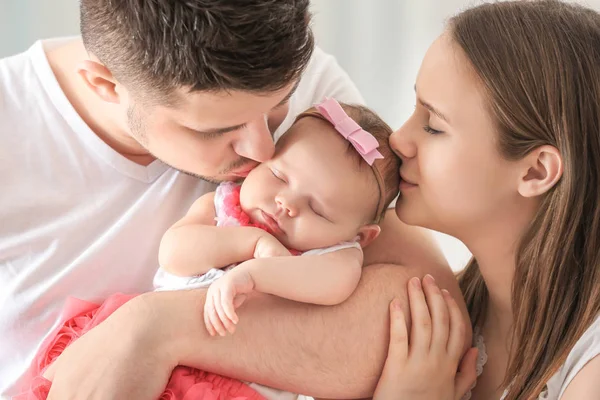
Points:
[(325, 279), (194, 244)]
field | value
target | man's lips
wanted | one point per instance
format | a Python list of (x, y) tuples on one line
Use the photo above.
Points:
[(271, 222), (243, 172)]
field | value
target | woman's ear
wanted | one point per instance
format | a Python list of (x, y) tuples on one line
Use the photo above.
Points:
[(542, 168), (368, 233), (99, 80)]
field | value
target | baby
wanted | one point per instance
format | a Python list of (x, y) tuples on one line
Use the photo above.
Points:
[(321, 196)]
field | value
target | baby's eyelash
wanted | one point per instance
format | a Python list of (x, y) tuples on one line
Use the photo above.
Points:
[(277, 174)]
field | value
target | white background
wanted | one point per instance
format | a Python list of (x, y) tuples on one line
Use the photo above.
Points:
[(380, 43)]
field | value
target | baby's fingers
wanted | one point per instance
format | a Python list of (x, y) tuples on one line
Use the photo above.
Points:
[(208, 309), (214, 315), (220, 306), (239, 300), (227, 297)]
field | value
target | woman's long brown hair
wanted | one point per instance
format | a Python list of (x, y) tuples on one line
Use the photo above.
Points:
[(539, 62)]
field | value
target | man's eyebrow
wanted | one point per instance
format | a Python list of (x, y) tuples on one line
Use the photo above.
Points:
[(289, 95), (219, 131), (432, 108)]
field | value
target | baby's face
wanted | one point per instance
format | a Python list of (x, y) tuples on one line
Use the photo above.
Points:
[(312, 193)]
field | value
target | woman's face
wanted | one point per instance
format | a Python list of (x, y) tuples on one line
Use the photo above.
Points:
[(453, 176)]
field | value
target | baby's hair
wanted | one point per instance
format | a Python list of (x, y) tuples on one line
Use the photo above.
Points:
[(388, 167)]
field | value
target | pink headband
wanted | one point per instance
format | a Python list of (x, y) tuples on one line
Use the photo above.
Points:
[(365, 143)]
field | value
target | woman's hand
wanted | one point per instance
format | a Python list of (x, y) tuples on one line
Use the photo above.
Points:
[(225, 295), (423, 365)]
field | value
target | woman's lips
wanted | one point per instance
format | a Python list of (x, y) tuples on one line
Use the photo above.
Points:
[(406, 184)]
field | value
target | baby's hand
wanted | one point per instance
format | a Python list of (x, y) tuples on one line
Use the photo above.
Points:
[(223, 297), (268, 246), (423, 365)]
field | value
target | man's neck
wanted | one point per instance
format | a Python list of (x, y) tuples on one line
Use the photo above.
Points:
[(107, 120)]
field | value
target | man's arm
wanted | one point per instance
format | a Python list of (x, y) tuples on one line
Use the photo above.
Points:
[(324, 351)]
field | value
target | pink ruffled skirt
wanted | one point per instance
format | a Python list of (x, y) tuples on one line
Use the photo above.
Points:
[(80, 316)]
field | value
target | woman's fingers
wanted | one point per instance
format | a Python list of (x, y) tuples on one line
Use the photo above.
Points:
[(420, 331), (440, 321), (467, 373), (398, 348), (458, 328)]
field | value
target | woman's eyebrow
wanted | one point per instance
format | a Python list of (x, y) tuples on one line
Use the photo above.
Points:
[(431, 108)]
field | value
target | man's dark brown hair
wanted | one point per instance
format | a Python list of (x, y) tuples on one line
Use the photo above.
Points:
[(205, 45)]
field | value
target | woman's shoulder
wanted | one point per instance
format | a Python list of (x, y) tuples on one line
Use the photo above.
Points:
[(586, 348)]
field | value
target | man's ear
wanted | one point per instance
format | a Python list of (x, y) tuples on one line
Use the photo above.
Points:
[(368, 233), (541, 170), (99, 79)]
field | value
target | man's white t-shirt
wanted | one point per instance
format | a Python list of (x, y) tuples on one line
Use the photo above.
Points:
[(77, 218)]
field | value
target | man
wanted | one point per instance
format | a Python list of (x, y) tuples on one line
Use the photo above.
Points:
[(93, 136)]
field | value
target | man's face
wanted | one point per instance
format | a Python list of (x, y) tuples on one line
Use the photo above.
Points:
[(212, 135)]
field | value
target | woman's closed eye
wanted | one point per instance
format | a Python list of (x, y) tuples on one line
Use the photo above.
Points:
[(429, 129)]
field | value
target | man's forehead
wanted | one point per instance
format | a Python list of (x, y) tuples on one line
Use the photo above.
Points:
[(220, 109)]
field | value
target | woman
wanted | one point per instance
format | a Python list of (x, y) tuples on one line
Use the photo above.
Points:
[(503, 152)]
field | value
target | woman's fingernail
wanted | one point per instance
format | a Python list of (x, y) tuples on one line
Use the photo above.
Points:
[(429, 278), (446, 293), (416, 283), (396, 304)]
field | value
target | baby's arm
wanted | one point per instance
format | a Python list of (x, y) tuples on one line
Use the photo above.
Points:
[(325, 279), (194, 244)]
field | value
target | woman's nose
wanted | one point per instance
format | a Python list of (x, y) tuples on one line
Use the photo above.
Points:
[(403, 143)]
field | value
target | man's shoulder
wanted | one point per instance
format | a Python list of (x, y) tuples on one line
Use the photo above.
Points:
[(17, 75), (14, 68), (324, 77)]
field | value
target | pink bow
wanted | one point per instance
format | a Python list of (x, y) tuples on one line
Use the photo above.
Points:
[(363, 141)]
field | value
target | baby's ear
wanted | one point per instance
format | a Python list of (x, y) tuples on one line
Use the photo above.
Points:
[(368, 233)]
